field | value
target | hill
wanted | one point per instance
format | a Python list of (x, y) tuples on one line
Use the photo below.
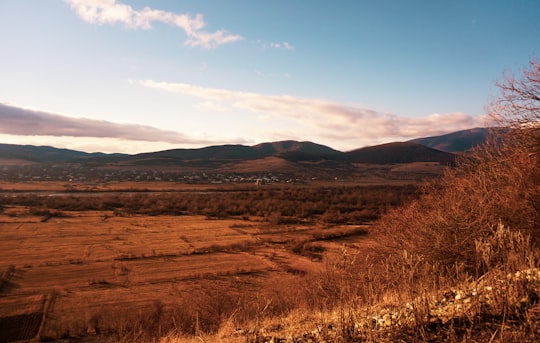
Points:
[(455, 142), (398, 152), (295, 149), (219, 152), (298, 151), (40, 154)]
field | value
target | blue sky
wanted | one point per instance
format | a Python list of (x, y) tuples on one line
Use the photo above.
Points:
[(140, 75)]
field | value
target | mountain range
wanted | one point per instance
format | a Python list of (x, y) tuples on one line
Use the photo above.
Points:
[(440, 149)]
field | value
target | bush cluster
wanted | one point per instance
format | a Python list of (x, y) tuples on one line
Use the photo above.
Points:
[(496, 184), (277, 204)]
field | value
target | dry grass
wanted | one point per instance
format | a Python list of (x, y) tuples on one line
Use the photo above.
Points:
[(107, 271)]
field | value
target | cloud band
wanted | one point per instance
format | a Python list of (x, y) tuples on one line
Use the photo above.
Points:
[(331, 120), (25, 122)]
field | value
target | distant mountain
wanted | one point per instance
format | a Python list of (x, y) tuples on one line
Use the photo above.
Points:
[(217, 152), (282, 153), (39, 154), (398, 152), (289, 150), (284, 147), (298, 151), (455, 142)]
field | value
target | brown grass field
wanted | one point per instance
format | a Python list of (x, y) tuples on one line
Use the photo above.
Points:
[(87, 272)]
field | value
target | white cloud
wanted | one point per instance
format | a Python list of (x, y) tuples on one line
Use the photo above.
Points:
[(326, 119), (113, 12), (288, 46)]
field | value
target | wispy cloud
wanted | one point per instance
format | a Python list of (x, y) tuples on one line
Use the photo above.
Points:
[(275, 45), (26, 122), (113, 12), (328, 119)]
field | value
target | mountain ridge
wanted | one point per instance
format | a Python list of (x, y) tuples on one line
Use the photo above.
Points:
[(289, 150)]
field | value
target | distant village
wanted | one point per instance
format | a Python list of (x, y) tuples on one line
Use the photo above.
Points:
[(85, 174)]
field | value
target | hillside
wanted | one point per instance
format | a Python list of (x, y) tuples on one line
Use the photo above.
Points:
[(298, 151), (455, 142), (398, 152), (40, 154), (47, 154), (217, 152)]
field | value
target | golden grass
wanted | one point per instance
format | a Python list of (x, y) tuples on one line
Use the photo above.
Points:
[(105, 271)]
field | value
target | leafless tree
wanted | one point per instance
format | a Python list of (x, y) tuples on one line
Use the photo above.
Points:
[(517, 108)]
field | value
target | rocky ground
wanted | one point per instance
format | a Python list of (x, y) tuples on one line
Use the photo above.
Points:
[(497, 308)]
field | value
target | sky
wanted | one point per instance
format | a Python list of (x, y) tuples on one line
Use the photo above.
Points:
[(136, 76)]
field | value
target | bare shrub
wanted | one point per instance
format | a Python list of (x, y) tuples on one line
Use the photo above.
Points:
[(477, 225), (492, 186)]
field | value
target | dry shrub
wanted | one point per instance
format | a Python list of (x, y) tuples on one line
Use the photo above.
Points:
[(511, 261), (479, 224), (495, 184), (498, 183)]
